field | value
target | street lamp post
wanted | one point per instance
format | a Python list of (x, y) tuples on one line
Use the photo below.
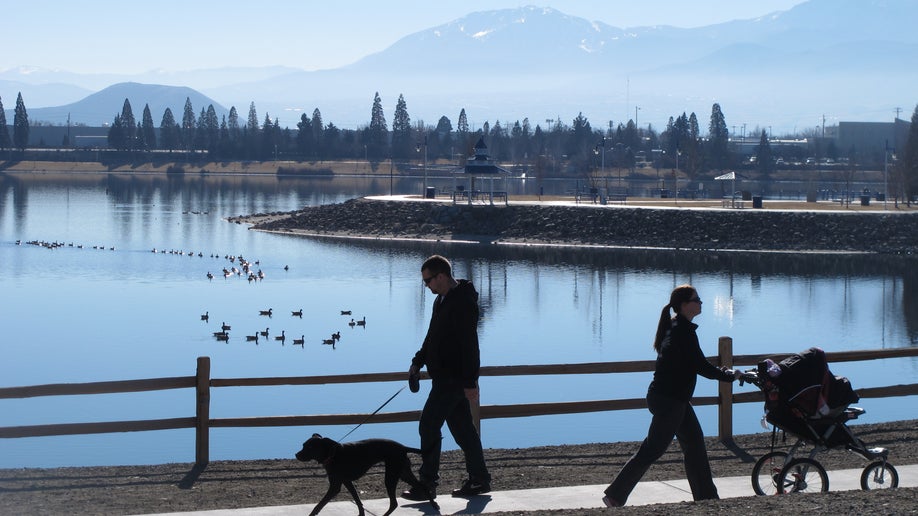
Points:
[(602, 167), (602, 146), (886, 173), (676, 178), (425, 163)]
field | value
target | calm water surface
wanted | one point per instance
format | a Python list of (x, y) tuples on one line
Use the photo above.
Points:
[(121, 311)]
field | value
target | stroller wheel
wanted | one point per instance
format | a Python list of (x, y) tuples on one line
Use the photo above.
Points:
[(765, 473), (803, 475), (879, 474)]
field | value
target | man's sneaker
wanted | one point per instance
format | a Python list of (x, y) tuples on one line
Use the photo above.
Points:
[(472, 488), (417, 494)]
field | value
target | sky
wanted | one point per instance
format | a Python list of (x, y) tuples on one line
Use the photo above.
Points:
[(124, 37)]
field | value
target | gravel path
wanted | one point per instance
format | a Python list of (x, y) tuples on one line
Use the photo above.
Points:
[(233, 484)]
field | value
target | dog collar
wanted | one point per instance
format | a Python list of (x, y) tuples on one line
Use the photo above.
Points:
[(328, 460)]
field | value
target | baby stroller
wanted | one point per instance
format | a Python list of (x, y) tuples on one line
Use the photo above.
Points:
[(805, 400)]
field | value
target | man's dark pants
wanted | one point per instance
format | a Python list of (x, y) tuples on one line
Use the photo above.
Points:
[(447, 403)]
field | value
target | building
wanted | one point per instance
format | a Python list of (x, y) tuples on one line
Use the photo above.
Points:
[(867, 142)]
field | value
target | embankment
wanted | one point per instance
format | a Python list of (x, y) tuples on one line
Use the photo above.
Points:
[(696, 229)]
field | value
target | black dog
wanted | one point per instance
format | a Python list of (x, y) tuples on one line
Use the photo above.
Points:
[(345, 463)]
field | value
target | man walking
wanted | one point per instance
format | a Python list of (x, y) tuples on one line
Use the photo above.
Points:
[(450, 352)]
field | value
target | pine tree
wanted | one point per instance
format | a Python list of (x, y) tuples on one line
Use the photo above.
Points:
[(5, 142), (402, 146), (718, 139), (331, 136), (188, 123), (116, 133), (444, 133), (147, 131), (462, 136), (20, 125), (232, 125), (318, 134), (211, 127), (169, 131), (200, 134), (128, 123), (224, 147), (269, 138), (250, 144), (692, 150), (378, 131), (251, 124), (304, 136)]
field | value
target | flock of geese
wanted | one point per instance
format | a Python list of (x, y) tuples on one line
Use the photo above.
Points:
[(239, 267), (55, 245), (265, 335)]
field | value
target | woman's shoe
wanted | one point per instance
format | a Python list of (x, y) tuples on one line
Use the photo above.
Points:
[(610, 502)]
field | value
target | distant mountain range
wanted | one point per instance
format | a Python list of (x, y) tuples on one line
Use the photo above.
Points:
[(838, 59)]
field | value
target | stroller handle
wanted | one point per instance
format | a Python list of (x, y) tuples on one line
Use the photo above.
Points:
[(751, 376)]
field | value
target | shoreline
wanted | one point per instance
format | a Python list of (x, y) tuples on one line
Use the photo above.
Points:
[(508, 243), (570, 225)]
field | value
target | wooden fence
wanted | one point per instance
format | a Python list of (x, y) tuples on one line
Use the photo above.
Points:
[(202, 383)]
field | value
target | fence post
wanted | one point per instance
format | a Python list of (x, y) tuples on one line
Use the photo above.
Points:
[(202, 413), (725, 391)]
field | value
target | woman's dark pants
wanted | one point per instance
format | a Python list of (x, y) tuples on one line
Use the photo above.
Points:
[(671, 417)]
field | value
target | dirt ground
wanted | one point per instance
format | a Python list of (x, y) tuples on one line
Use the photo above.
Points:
[(233, 484)]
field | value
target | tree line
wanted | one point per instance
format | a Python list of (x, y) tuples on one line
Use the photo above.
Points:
[(558, 148)]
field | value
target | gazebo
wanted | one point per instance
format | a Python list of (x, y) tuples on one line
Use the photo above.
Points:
[(731, 200), (480, 171)]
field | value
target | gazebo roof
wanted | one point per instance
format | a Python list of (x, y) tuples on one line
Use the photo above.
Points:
[(481, 164)]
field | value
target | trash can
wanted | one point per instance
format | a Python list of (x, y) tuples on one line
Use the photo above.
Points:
[(881, 197), (756, 201), (747, 195), (664, 193), (811, 196), (865, 200), (431, 193)]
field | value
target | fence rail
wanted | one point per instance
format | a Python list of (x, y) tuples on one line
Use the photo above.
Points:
[(202, 383)]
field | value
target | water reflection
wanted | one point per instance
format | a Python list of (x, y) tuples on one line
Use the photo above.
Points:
[(605, 268), (131, 313)]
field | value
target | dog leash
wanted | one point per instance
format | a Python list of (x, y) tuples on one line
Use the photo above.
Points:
[(373, 414)]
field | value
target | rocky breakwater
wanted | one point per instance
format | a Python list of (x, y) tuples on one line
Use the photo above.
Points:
[(758, 230)]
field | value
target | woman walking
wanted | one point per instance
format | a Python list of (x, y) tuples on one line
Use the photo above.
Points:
[(679, 361)]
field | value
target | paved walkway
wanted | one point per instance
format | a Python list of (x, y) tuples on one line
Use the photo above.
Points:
[(557, 498)]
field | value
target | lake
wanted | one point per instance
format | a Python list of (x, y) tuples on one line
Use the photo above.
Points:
[(104, 306)]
